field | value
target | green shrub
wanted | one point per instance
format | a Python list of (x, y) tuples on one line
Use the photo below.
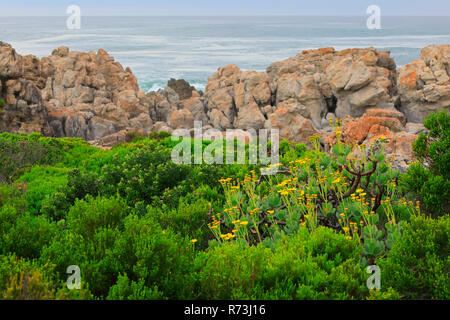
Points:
[(159, 135), (160, 258), (99, 270), (418, 263), (13, 195), (189, 219), (90, 233), (125, 289), (430, 178), (78, 186), (139, 226), (24, 234), (231, 271), (142, 174), (319, 265), (24, 280), (433, 147), (89, 215), (41, 184), (19, 153), (133, 136)]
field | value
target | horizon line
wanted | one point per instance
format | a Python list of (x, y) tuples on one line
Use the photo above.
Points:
[(226, 15)]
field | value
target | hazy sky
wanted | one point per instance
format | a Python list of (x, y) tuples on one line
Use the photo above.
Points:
[(223, 7)]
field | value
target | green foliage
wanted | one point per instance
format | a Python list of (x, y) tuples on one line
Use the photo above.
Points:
[(320, 265), (133, 136), (93, 256), (433, 147), (231, 271), (24, 234), (145, 173), (18, 153), (418, 264), (22, 279), (42, 183), (125, 289), (430, 179), (388, 294), (139, 226), (160, 258), (159, 135), (189, 219), (89, 215)]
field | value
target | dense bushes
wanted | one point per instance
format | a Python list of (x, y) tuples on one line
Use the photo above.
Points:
[(429, 179), (418, 264), (141, 227), (21, 279), (320, 265), (24, 234)]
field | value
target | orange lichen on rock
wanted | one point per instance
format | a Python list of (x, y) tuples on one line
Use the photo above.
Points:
[(409, 79)]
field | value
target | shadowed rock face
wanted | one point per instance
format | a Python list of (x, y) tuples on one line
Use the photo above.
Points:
[(90, 95), (181, 87)]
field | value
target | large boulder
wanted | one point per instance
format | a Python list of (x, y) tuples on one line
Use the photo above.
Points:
[(388, 125), (182, 88), (11, 65), (195, 105), (181, 119), (291, 125), (323, 81), (76, 94), (424, 84), (235, 98)]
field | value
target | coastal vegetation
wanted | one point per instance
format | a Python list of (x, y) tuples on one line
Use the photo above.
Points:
[(142, 227)]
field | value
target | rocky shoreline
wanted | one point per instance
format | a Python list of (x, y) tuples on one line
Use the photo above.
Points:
[(90, 95)]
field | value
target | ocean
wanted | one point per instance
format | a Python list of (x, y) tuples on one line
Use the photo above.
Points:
[(192, 48)]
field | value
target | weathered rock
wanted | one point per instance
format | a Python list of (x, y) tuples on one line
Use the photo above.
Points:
[(234, 98), (114, 139), (181, 87), (291, 125), (77, 94), (196, 107), (238, 134), (424, 84), (181, 119), (159, 107), (379, 124), (345, 82), (415, 128), (24, 111), (10, 62), (161, 126)]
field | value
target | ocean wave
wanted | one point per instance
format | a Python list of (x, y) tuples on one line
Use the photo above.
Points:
[(160, 85)]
